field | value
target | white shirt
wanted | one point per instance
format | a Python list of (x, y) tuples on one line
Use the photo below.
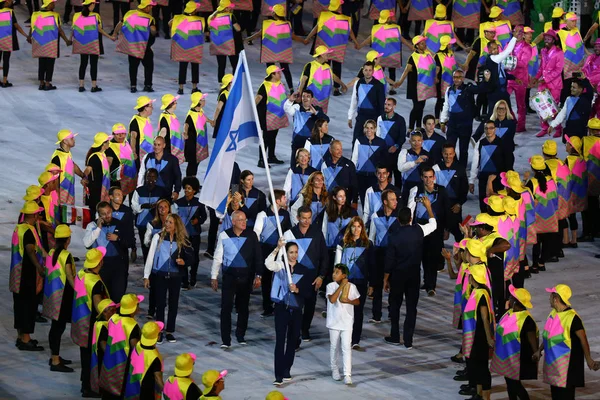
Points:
[(352, 111), (340, 316)]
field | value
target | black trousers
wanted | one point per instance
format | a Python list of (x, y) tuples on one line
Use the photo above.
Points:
[(405, 286), (234, 289), (147, 62), (432, 258), (498, 288), (559, 393), (222, 63), (516, 390), (286, 73), (542, 250), (296, 20), (365, 181), (114, 276), (462, 134), (255, 13), (69, 8), (164, 286), (359, 313), (479, 372), (195, 241), (85, 354), (192, 166), (119, 11), (573, 225), (591, 217), (287, 332), (213, 230), (45, 69), (308, 313), (416, 114), (376, 282), (57, 328), (32, 5), (166, 17), (336, 68), (267, 281), (5, 62), (93, 59), (142, 233), (24, 310), (151, 297), (244, 19), (270, 138), (454, 220), (482, 180), (183, 74)]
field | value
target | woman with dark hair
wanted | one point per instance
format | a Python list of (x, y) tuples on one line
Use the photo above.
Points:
[(97, 172), (254, 201), (87, 41), (545, 194), (355, 251), (313, 195), (289, 300), (337, 216), (168, 257), (318, 143), (58, 294)]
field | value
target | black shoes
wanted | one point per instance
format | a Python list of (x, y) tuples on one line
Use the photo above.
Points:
[(81, 89), (61, 368), (208, 255), (62, 361), (49, 87), (170, 338), (88, 394), (471, 391), (194, 90), (261, 163), (29, 346), (459, 360), (275, 160), (390, 340), (6, 85), (133, 89), (337, 92), (96, 89), (180, 91), (148, 89)]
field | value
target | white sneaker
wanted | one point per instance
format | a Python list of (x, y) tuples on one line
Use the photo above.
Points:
[(336, 375), (347, 380)]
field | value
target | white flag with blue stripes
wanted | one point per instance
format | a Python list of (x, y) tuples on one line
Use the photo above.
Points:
[(239, 128)]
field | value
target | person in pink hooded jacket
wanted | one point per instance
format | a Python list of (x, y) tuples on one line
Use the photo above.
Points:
[(549, 75), (591, 70), (519, 85)]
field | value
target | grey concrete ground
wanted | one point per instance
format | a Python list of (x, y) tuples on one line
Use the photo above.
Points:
[(30, 121)]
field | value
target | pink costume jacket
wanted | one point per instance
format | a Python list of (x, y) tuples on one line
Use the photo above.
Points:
[(591, 70), (551, 68), (523, 53)]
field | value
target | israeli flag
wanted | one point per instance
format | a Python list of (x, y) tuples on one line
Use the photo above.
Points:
[(239, 128)]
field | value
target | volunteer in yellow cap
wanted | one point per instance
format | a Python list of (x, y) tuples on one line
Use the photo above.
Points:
[(140, 51), (97, 171), (226, 35), (545, 192), (50, 201), (577, 186), (438, 27), (106, 309), (275, 395), (58, 293), (33, 192), (270, 99), (63, 158), (144, 379), (445, 58), (141, 137), (478, 326), (26, 266), (122, 157), (195, 130), (565, 346), (188, 49), (181, 385), (169, 127), (214, 384), (514, 348), (226, 83)]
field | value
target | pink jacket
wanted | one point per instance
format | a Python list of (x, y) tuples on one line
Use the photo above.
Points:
[(551, 67), (523, 53), (591, 70)]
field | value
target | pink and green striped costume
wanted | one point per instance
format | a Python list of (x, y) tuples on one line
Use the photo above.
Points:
[(116, 354), (54, 286), (470, 318), (17, 251), (557, 347), (578, 184), (546, 207)]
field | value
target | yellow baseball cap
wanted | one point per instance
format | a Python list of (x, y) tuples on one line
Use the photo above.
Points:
[(495, 12), (33, 192), (384, 15), (575, 142), (477, 249), (272, 69), (55, 169), (418, 39), (334, 5), (594, 123), (440, 11), (478, 272), (46, 177), (372, 55), (549, 148), (275, 395), (527, 29), (445, 41), (119, 128), (62, 231), (196, 97), (129, 303), (571, 16), (190, 7), (210, 377), (223, 4), (537, 163), (88, 2), (321, 50), (31, 207), (143, 101), (65, 134), (184, 364), (226, 80), (103, 305), (167, 100), (522, 295), (557, 12), (278, 10), (563, 291), (145, 3), (46, 3), (150, 332), (93, 257), (100, 138)]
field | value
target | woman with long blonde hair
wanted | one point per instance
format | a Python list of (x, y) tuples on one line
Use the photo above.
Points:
[(355, 250), (506, 127), (313, 195), (168, 258)]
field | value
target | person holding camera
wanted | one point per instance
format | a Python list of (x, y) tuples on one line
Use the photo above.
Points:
[(169, 255)]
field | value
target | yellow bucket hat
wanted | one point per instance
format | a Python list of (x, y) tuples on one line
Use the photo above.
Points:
[(418, 39), (129, 303), (196, 97), (184, 364), (31, 207), (571, 16), (88, 2), (223, 4), (385, 15), (33, 192), (510, 205), (93, 257), (119, 128), (372, 55), (478, 272), (495, 203), (146, 3), (55, 169), (495, 12), (103, 305), (320, 50), (334, 5), (278, 10), (167, 100), (275, 395), (549, 148), (563, 291), (46, 177), (477, 249), (65, 134), (62, 232), (210, 377), (440, 11), (537, 163), (190, 7), (522, 295), (100, 138), (150, 332), (594, 123), (575, 142), (445, 41), (557, 12), (143, 101), (272, 69), (46, 3), (226, 80)]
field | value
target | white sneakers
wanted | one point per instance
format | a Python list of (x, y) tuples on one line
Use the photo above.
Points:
[(337, 377), (348, 380)]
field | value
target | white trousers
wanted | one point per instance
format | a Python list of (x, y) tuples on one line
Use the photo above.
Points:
[(345, 337)]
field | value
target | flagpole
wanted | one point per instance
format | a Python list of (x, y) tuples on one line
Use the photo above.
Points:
[(267, 169)]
